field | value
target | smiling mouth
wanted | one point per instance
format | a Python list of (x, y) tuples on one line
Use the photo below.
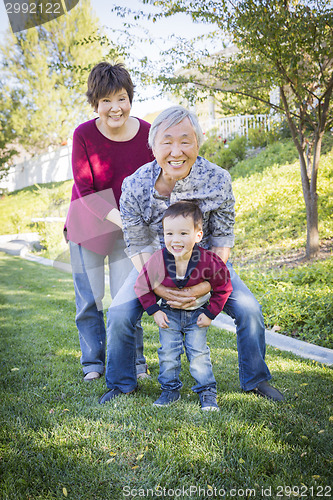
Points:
[(176, 164)]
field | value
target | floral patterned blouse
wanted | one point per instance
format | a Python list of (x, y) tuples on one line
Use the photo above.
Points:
[(142, 207)]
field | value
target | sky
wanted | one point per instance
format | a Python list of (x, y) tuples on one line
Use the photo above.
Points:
[(180, 25)]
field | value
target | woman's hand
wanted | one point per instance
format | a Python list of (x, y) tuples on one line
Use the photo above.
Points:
[(114, 216), (182, 298)]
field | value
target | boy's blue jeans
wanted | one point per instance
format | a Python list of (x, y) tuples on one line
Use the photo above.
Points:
[(126, 309), (89, 286), (183, 331)]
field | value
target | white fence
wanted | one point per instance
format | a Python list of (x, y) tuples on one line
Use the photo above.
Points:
[(231, 125), (54, 166)]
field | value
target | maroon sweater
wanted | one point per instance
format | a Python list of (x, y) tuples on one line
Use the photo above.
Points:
[(203, 265), (99, 168)]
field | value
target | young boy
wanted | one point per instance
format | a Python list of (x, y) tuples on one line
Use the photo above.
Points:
[(183, 263)]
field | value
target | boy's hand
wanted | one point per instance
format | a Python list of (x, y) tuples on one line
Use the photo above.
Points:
[(161, 319), (203, 320)]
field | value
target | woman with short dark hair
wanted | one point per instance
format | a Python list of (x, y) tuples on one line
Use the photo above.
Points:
[(105, 151)]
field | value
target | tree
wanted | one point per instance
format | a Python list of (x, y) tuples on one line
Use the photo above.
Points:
[(7, 136), (38, 64), (281, 43)]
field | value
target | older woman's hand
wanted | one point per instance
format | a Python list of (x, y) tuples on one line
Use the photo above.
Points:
[(114, 216), (184, 297)]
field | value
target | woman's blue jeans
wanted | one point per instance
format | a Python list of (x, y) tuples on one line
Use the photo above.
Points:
[(89, 285), (126, 309), (183, 331)]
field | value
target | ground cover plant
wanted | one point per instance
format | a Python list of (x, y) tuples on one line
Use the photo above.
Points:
[(56, 442), (297, 300)]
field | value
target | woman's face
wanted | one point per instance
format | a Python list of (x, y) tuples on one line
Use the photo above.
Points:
[(114, 110), (176, 149)]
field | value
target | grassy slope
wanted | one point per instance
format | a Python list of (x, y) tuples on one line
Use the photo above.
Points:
[(19, 207), (270, 208), (270, 225), (55, 440)]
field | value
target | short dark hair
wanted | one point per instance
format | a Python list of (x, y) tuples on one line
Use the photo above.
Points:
[(186, 209), (104, 79)]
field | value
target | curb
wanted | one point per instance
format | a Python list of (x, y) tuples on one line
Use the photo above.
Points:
[(282, 342), (21, 245)]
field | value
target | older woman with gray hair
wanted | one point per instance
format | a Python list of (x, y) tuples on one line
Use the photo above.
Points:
[(178, 173)]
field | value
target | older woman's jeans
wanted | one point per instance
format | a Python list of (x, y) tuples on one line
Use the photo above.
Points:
[(126, 309), (183, 331), (89, 285)]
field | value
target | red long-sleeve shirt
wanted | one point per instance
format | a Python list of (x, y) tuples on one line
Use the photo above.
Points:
[(99, 168), (204, 265)]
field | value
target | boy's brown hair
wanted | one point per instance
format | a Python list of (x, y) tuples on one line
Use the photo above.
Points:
[(186, 209), (105, 79)]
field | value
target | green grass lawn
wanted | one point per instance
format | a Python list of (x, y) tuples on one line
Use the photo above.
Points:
[(57, 442)]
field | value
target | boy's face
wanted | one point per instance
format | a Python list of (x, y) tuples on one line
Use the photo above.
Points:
[(114, 110), (180, 235)]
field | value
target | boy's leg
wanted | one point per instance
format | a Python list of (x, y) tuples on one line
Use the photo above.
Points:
[(198, 353), (88, 278), (169, 353)]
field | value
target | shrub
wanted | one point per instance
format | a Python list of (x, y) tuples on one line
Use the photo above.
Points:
[(238, 147), (225, 158), (257, 137), (282, 152), (224, 154), (212, 145), (51, 238), (299, 300)]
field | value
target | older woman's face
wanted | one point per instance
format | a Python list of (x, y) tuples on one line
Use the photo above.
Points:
[(176, 149)]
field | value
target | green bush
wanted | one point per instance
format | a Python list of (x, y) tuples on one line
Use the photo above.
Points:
[(257, 137), (17, 209), (212, 145), (225, 154), (260, 137), (238, 146), (299, 300), (225, 158), (282, 152), (51, 238)]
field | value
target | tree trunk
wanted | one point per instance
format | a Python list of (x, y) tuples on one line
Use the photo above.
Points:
[(311, 204), (312, 233)]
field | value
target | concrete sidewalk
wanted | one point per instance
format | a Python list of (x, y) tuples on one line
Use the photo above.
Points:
[(23, 244)]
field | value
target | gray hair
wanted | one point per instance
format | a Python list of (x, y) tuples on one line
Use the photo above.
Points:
[(172, 116)]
